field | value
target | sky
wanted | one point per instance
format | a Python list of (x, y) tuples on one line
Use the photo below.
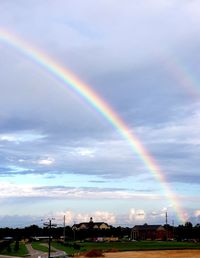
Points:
[(58, 154)]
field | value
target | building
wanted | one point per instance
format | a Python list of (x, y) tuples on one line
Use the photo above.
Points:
[(90, 225), (150, 232)]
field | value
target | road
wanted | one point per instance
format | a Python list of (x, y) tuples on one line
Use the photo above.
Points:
[(32, 253), (38, 254)]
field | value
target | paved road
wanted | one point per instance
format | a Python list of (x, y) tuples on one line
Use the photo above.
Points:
[(38, 254), (56, 252), (35, 253)]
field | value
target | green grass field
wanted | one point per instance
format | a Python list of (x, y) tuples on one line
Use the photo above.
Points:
[(41, 247), (71, 249), (143, 245), (127, 246), (21, 252)]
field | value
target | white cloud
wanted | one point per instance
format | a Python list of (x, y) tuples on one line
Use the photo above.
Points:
[(97, 216), (9, 189), (197, 213), (137, 215), (9, 138), (84, 152), (22, 137), (46, 162), (104, 216), (59, 192), (69, 217)]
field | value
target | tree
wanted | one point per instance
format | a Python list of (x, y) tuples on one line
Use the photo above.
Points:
[(188, 224), (16, 248)]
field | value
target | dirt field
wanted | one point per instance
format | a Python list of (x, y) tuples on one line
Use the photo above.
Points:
[(155, 254)]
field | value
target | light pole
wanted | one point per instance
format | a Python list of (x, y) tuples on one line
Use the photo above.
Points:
[(49, 225)]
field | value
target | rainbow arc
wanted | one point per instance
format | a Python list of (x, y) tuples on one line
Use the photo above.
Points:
[(86, 92)]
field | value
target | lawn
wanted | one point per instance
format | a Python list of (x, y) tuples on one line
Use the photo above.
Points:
[(73, 247), (125, 246), (21, 252), (41, 246), (68, 248), (140, 245)]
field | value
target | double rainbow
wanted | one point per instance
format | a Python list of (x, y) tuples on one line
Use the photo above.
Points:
[(97, 103)]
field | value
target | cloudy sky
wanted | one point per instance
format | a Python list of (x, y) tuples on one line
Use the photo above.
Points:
[(58, 155)]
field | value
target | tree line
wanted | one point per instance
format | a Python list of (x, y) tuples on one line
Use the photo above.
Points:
[(180, 233)]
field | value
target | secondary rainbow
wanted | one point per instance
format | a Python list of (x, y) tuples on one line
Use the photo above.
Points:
[(65, 76), (182, 75)]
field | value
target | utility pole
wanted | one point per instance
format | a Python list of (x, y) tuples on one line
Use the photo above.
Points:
[(64, 230), (166, 226), (74, 229), (166, 218), (173, 228), (49, 225)]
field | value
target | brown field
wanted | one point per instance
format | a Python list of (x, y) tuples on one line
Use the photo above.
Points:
[(154, 254)]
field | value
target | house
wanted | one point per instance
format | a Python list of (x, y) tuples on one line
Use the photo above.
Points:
[(150, 232), (90, 225), (106, 239)]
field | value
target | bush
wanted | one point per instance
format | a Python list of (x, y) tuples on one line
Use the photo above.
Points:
[(16, 248), (9, 249), (112, 250), (94, 253)]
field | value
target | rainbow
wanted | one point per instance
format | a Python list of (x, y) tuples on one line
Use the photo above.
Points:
[(180, 73), (97, 103)]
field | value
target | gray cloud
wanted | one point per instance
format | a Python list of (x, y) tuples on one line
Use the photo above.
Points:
[(140, 56)]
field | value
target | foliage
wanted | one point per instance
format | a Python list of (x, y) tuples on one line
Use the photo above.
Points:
[(4, 244), (22, 251), (187, 232), (94, 253), (16, 248), (182, 232)]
